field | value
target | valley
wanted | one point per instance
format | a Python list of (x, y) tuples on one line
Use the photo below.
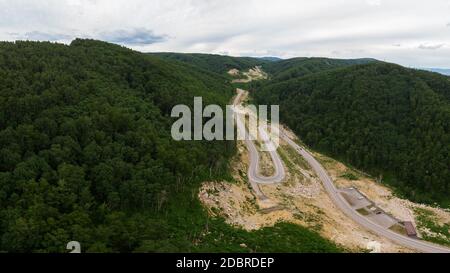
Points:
[(304, 199), (87, 154), (225, 136), (383, 223)]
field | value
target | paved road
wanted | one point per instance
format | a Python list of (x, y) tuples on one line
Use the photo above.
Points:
[(342, 204), (255, 178), (253, 172)]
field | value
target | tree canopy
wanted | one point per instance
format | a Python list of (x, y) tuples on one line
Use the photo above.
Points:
[(217, 63), (86, 154), (387, 120)]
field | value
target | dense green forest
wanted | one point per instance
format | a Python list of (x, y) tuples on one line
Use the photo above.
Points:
[(86, 155), (216, 63), (298, 67), (387, 120)]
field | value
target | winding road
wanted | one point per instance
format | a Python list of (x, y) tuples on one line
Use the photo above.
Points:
[(254, 176), (279, 175), (343, 205)]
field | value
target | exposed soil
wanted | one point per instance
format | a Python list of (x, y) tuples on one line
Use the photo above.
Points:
[(384, 197), (252, 74), (301, 199), (234, 72)]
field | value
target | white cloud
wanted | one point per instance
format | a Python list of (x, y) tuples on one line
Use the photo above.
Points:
[(430, 46), (373, 2), (285, 28)]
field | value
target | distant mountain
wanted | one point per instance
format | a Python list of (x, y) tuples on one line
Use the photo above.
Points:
[(442, 71), (299, 67), (270, 59), (211, 62)]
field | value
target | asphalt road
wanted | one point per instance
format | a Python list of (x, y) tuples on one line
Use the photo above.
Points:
[(253, 172), (279, 174), (342, 204)]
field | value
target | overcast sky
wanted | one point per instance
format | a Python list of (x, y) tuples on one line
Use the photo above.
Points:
[(409, 32)]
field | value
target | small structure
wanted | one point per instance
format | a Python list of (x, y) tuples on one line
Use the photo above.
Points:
[(410, 229)]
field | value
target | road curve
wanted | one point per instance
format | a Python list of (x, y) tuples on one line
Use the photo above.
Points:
[(342, 204), (253, 172), (279, 175)]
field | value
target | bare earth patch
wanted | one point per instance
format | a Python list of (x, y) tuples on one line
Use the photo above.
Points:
[(383, 196), (253, 74), (233, 72), (266, 164), (301, 199)]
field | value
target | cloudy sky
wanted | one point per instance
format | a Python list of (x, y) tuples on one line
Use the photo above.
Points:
[(409, 32)]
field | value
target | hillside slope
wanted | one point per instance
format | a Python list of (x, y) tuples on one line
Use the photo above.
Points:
[(217, 63), (299, 67), (390, 121), (86, 155), (85, 138)]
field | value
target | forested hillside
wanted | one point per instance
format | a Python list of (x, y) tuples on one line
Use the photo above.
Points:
[(299, 67), (387, 120), (216, 63), (86, 155)]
